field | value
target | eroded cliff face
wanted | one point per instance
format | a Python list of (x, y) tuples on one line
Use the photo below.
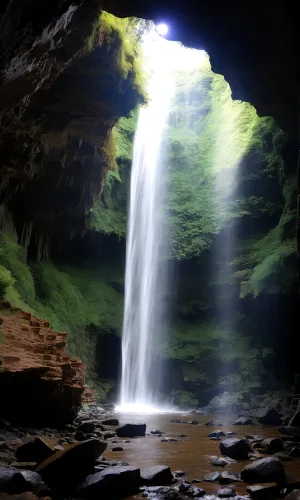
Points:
[(40, 383), (62, 90)]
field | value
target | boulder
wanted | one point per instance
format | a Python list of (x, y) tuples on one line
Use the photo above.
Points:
[(228, 477), (110, 421), (219, 461), (272, 445), (65, 469), (86, 427), (131, 430), (289, 430), (157, 475), (270, 417), (213, 423), (235, 448), (14, 481), (216, 434), (263, 491), (226, 493), (244, 421), (266, 470), (295, 452), (212, 477), (37, 450), (112, 483), (294, 495)]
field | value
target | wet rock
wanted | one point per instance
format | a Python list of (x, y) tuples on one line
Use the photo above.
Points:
[(254, 438), (157, 431), (213, 423), (182, 435), (17, 481), (108, 434), (226, 493), (291, 483), (270, 417), (112, 483), (230, 433), (131, 430), (289, 430), (294, 495), (284, 457), (244, 421), (110, 421), (216, 434), (158, 475), (212, 477), (86, 427), (42, 490), (25, 465), (117, 448), (228, 477), (190, 490), (263, 491), (37, 450), (168, 440), (179, 473), (177, 421), (266, 470), (80, 436), (196, 480), (272, 445), (65, 469), (194, 422), (162, 493), (219, 461), (235, 448)]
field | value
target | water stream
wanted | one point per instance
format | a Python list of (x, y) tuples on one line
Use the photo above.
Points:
[(145, 278)]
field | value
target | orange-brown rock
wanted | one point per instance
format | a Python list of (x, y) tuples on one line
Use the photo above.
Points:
[(39, 382)]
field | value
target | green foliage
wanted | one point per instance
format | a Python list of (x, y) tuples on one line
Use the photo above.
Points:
[(184, 398), (214, 144)]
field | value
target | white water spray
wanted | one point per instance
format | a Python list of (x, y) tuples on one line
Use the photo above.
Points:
[(146, 274), (146, 245)]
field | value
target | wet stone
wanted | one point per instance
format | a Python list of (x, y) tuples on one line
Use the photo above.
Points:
[(117, 448), (263, 491), (226, 493), (216, 434), (212, 477), (229, 477)]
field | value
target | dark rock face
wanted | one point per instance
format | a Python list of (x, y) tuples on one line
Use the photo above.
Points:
[(66, 469), (270, 417), (235, 448), (266, 470), (131, 430), (272, 445), (263, 491), (35, 451), (16, 481), (295, 420), (113, 482), (295, 495), (158, 475)]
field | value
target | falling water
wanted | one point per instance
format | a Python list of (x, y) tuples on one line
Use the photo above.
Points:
[(145, 278)]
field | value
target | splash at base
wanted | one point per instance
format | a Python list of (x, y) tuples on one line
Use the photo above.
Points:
[(136, 408)]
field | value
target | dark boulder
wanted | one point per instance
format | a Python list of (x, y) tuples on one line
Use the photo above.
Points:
[(213, 423), (244, 421), (289, 430), (35, 451), (157, 475), (235, 448), (65, 469), (228, 477), (216, 434), (111, 483), (87, 427), (266, 470), (270, 417), (272, 445), (263, 491), (14, 481), (131, 430), (110, 421), (294, 495)]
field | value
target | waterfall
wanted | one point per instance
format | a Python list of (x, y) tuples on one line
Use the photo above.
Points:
[(145, 277)]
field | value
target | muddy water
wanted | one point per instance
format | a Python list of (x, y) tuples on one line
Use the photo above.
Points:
[(190, 454)]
